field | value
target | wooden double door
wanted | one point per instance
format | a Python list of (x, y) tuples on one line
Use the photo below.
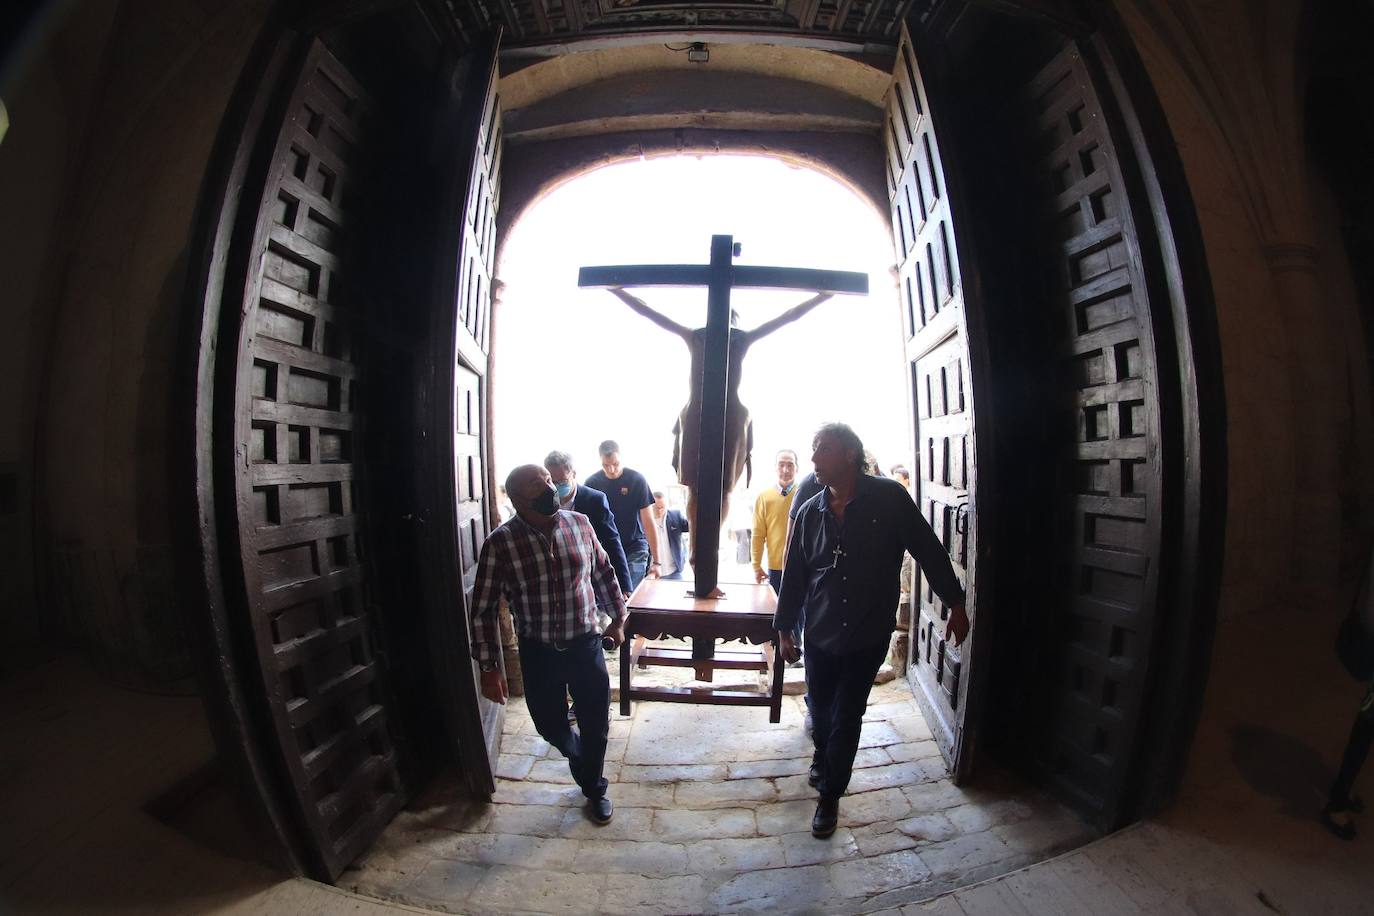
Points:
[(340, 446)]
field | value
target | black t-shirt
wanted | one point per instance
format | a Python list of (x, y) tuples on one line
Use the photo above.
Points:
[(627, 494)]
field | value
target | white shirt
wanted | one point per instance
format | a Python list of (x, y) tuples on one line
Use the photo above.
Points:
[(665, 553)]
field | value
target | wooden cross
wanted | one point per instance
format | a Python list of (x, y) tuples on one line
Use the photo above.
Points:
[(719, 277)]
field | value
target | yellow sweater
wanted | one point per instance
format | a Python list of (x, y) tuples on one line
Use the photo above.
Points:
[(770, 525)]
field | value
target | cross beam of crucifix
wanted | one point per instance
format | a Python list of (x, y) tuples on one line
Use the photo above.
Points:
[(719, 277)]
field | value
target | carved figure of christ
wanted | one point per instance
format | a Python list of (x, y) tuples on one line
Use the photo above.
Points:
[(713, 427)]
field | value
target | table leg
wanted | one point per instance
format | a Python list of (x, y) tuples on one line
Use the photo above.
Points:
[(704, 648), (776, 668), (625, 668)]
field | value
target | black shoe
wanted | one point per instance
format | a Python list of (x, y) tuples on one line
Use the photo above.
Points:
[(1345, 829), (827, 816), (600, 810), (813, 777)]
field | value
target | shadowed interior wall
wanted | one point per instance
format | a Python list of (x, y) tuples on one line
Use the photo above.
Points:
[(1228, 76), (48, 113), (110, 287)]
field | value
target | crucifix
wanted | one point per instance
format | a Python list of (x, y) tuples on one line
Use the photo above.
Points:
[(712, 384)]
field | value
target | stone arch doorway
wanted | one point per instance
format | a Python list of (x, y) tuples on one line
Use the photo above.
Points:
[(663, 208), (1088, 428)]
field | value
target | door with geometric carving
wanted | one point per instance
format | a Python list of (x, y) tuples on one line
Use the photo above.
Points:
[(297, 439), (1102, 385), (339, 404), (931, 268)]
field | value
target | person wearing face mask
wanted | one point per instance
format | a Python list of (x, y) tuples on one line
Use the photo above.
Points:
[(593, 504), (556, 577)]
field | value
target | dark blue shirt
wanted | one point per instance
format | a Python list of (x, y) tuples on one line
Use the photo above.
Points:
[(593, 504), (627, 494), (847, 574), (808, 488)]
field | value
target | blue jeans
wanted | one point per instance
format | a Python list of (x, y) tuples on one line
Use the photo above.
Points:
[(775, 580), (838, 687), (580, 670), (638, 560)]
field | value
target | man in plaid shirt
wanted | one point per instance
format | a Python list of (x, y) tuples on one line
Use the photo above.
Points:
[(555, 575)]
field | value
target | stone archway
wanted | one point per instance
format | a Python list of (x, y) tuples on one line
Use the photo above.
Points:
[(1172, 305)]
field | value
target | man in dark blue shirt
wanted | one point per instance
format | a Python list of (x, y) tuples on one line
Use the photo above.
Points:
[(844, 558), (630, 498)]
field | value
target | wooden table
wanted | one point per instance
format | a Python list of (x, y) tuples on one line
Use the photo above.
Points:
[(661, 608)]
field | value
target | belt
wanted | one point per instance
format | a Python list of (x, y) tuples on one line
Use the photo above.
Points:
[(563, 645)]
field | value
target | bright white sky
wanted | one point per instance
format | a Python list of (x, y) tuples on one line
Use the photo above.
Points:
[(577, 366)]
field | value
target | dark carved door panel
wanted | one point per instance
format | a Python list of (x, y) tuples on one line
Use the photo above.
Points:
[(1103, 390), (460, 335), (297, 431), (931, 283)]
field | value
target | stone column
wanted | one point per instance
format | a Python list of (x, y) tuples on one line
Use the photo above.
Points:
[(1316, 370), (901, 637)]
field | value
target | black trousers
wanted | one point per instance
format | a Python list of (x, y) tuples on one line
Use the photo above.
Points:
[(1356, 750), (838, 688), (550, 676)]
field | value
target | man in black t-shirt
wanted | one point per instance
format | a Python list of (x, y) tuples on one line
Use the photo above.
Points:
[(630, 497)]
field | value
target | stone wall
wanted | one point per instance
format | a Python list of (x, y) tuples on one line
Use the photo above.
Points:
[(49, 100), (1227, 76), (110, 289)]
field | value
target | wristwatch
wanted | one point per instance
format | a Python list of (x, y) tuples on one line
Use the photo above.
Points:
[(484, 667)]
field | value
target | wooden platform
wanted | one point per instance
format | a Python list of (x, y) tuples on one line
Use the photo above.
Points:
[(661, 608)]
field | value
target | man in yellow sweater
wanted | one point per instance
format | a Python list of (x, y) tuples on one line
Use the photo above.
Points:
[(770, 521)]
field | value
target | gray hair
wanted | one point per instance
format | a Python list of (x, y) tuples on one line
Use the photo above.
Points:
[(560, 460), (609, 447), (847, 438)]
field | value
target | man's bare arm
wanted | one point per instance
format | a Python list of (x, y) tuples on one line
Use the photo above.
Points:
[(646, 521), (662, 321), (789, 316)]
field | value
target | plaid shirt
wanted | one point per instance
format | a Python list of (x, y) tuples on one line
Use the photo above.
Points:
[(554, 586)]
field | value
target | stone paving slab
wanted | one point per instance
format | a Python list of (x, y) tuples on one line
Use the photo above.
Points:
[(713, 814), (639, 857), (736, 855)]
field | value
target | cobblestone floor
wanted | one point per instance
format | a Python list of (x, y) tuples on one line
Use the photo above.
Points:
[(713, 815)]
